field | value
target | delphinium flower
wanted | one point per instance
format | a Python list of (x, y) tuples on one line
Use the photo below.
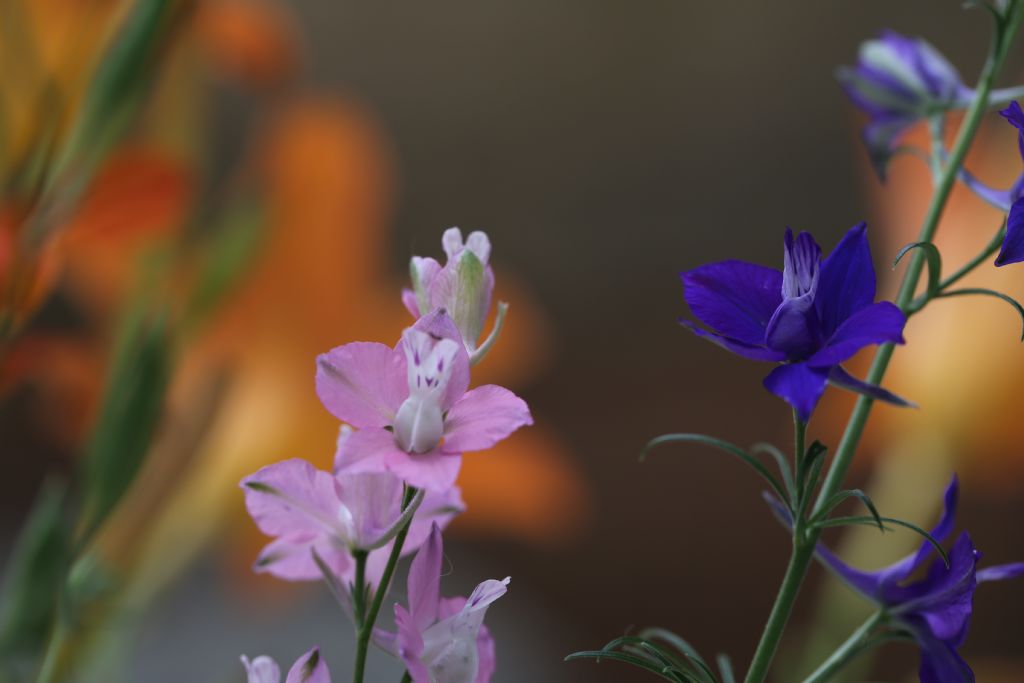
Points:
[(463, 287), (810, 317), (308, 509), (897, 82), (935, 609), (309, 668), (443, 640), (411, 406)]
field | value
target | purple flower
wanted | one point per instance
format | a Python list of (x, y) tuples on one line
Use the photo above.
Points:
[(898, 81), (307, 509), (463, 287), (309, 668), (811, 317), (936, 609), (443, 640), (412, 405)]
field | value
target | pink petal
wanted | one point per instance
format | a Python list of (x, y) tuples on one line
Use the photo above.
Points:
[(410, 303), (374, 500), (485, 647), (366, 450), (440, 324), (263, 669), (291, 558), (309, 668), (433, 471), (425, 580), (293, 497), (362, 383), (410, 646), (482, 418), (438, 507)]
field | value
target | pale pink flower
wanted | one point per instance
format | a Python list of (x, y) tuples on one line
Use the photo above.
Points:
[(309, 668)]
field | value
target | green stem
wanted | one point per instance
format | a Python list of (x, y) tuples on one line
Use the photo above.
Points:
[(986, 253), (406, 678), (799, 448), (804, 541), (359, 589), (50, 672), (845, 652), (366, 628)]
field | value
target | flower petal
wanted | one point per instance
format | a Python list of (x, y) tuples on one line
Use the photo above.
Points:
[(410, 646), (734, 298), (293, 497), (794, 329), (425, 581), (362, 383), (433, 471), (263, 669), (802, 262), (1015, 116), (291, 558), (309, 668), (485, 648), (847, 282), (940, 662), (737, 347), (374, 502), (440, 325), (1001, 572), (902, 570), (944, 598), (838, 377), (365, 450), (874, 324), (410, 303), (482, 418), (1013, 244), (799, 385)]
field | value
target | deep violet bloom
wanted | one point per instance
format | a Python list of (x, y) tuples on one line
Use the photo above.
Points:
[(811, 317), (309, 668), (1010, 200), (936, 609), (308, 509), (414, 412), (463, 287), (897, 82), (443, 640)]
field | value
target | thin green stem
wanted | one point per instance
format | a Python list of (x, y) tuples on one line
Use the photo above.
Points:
[(50, 671), (359, 588), (846, 652), (366, 628), (991, 248), (799, 449), (804, 541), (406, 678)]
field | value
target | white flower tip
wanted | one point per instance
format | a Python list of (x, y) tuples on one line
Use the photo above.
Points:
[(480, 245), (451, 240)]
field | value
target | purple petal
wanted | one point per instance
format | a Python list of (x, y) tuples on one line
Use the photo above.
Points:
[(794, 329), (945, 597), (874, 324), (802, 261), (425, 581), (839, 377), (881, 137), (1015, 116), (1001, 199), (374, 502), (362, 383), (410, 646), (902, 570), (1013, 243), (734, 298), (309, 668), (940, 662), (847, 282), (737, 347), (263, 669), (482, 418), (440, 325), (410, 303), (437, 509), (799, 385), (293, 497), (1001, 572)]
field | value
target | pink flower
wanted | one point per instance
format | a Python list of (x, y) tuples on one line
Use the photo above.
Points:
[(463, 287), (443, 640), (411, 404), (309, 668), (308, 510)]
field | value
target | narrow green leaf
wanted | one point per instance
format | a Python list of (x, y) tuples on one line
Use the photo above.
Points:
[(35, 571), (725, 446), (934, 260), (989, 292), (848, 521), (680, 644), (839, 497), (636, 661), (782, 462), (725, 668), (129, 415), (686, 665), (810, 470)]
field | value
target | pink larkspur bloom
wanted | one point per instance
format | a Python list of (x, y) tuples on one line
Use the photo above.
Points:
[(463, 287), (308, 509), (414, 412), (443, 640), (309, 668)]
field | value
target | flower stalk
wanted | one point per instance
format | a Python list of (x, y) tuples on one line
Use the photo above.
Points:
[(846, 652)]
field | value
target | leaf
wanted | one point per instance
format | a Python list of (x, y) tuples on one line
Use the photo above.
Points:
[(810, 470), (598, 655), (725, 668), (934, 260), (128, 418), (721, 445), (783, 464), (989, 292), (848, 521), (642, 647), (838, 498), (35, 572), (680, 644)]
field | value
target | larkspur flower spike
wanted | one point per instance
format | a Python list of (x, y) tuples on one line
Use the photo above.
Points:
[(463, 287), (811, 317)]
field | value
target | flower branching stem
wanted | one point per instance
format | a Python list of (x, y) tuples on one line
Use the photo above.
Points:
[(846, 652), (366, 624), (804, 539)]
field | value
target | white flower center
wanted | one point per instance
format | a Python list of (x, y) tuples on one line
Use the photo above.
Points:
[(419, 424)]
